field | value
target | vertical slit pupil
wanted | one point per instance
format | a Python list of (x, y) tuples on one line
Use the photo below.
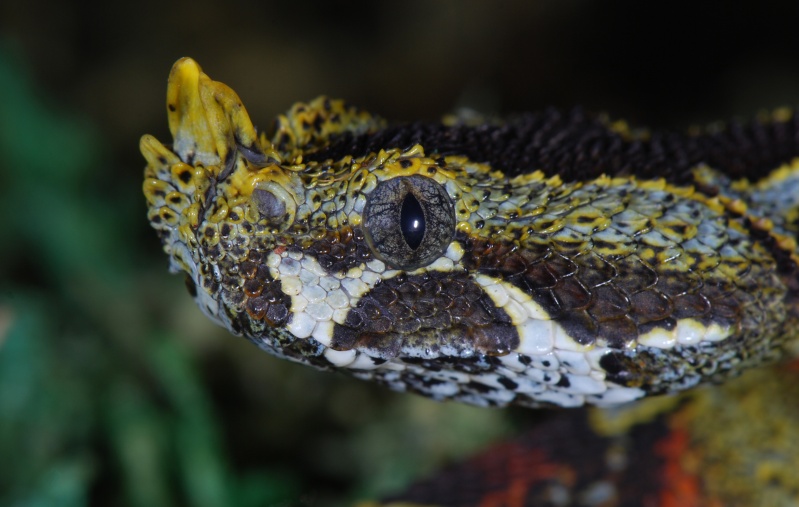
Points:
[(412, 221)]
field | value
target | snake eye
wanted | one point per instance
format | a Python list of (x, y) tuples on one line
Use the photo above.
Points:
[(409, 221), (412, 221)]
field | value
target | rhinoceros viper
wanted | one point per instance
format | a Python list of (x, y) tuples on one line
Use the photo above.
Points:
[(546, 259)]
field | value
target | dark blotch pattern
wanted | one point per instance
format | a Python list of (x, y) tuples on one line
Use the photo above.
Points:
[(264, 299), (593, 298), (622, 370), (341, 250), (190, 286), (578, 146), (431, 314)]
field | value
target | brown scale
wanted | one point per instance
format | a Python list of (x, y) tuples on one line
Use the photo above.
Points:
[(338, 251), (578, 146), (438, 308), (265, 301), (617, 302)]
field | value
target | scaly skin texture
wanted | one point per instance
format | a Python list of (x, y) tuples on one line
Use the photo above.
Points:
[(564, 259)]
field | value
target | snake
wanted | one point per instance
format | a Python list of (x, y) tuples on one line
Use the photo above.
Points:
[(550, 259)]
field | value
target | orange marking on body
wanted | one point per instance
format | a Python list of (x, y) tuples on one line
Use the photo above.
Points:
[(681, 485), (792, 365), (521, 471)]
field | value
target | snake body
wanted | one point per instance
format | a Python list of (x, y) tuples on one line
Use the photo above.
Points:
[(555, 258)]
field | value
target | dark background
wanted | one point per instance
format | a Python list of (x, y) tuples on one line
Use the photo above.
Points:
[(114, 389)]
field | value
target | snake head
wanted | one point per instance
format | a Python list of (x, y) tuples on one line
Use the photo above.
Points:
[(490, 264), (281, 240), (225, 198)]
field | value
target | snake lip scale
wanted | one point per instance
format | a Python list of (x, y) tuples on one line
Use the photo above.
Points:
[(547, 259)]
